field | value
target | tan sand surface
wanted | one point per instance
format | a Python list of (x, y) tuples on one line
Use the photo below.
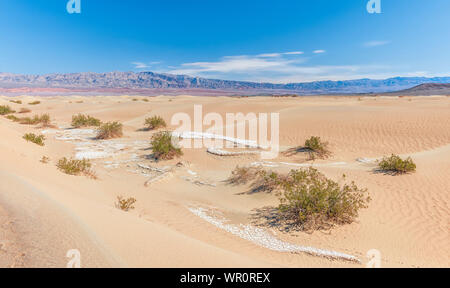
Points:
[(44, 213)]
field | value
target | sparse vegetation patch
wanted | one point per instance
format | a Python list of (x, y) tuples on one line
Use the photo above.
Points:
[(76, 167), (317, 148), (5, 110), (155, 122), (110, 130), (81, 120), (125, 204), (36, 139), (16, 101), (34, 103), (308, 199), (163, 148), (396, 165)]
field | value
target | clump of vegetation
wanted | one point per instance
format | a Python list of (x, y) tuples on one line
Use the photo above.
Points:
[(36, 139), (145, 100), (76, 167), (317, 148), (81, 120), (16, 101), (308, 199), (396, 165), (125, 204), (313, 202), (5, 110), (135, 99), (155, 122), (45, 159), (43, 119), (110, 130), (24, 110), (13, 118), (243, 175), (163, 148), (34, 103)]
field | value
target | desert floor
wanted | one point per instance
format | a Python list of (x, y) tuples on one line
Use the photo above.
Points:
[(186, 215)]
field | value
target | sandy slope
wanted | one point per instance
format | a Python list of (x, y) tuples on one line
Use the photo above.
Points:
[(48, 212)]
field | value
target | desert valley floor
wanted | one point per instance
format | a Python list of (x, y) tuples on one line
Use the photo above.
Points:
[(186, 215)]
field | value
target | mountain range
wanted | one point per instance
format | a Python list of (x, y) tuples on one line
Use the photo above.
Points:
[(150, 80)]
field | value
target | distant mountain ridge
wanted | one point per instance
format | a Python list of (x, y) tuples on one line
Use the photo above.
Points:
[(151, 80)]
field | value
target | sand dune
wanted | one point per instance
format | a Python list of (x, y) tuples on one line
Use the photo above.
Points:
[(44, 213)]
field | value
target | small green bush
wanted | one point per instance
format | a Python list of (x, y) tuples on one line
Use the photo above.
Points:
[(314, 202), (155, 122), (5, 110), (34, 103), (125, 204), (396, 165), (81, 120), (36, 139), (75, 167), (110, 130), (317, 148), (163, 147)]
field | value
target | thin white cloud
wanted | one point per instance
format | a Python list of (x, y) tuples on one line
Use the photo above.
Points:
[(269, 55), (142, 65), (375, 43), (319, 51), (294, 53)]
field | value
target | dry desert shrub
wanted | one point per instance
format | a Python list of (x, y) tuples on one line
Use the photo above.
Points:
[(36, 139), (110, 130), (311, 201), (317, 148), (43, 119), (5, 110), (163, 147), (155, 122), (34, 103), (396, 165), (76, 167), (45, 159), (308, 199), (125, 204), (243, 175), (81, 120), (16, 101)]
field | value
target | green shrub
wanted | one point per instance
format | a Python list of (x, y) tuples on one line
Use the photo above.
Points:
[(75, 167), (5, 110), (36, 139), (16, 101), (155, 122), (125, 204), (110, 130), (163, 147), (34, 103), (317, 148), (314, 202), (81, 120), (396, 165)]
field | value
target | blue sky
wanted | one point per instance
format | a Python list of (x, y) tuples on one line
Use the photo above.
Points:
[(271, 41)]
